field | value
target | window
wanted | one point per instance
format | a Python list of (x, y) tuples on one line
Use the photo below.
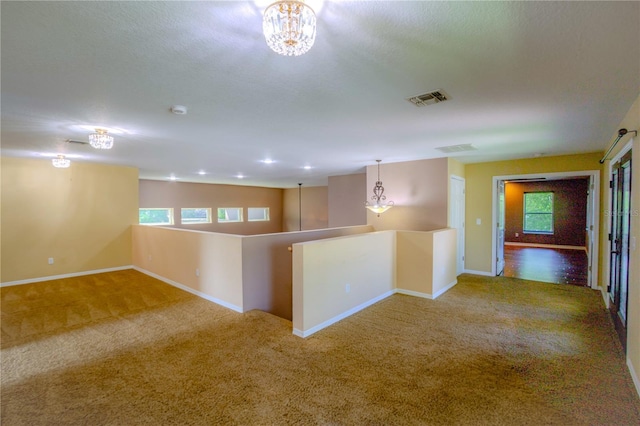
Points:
[(156, 216), (538, 212), (229, 214), (195, 215), (256, 214)]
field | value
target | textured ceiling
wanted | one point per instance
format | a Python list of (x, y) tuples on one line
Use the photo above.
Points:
[(525, 78)]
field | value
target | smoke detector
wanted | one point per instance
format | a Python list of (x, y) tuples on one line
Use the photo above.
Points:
[(429, 98), (179, 109)]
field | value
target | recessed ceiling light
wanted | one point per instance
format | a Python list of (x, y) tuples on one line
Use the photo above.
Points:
[(307, 167), (202, 173), (240, 176), (172, 177), (268, 161)]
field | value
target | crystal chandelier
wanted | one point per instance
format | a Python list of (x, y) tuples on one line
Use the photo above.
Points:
[(100, 139), (61, 162), (380, 204), (289, 27)]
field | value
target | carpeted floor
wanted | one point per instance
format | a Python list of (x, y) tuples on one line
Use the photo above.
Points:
[(124, 349)]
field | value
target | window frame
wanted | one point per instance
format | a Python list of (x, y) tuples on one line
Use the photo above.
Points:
[(227, 220), (207, 219), (265, 217), (169, 211), (526, 213)]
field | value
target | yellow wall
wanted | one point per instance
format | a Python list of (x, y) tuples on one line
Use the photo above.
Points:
[(336, 277), (478, 201), (80, 216), (425, 262), (315, 208)]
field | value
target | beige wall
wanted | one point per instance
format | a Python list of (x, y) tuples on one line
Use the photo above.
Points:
[(205, 263), (315, 208), (478, 201), (419, 190), (267, 266), (80, 216), (177, 195), (347, 195), (426, 262), (630, 122), (336, 277)]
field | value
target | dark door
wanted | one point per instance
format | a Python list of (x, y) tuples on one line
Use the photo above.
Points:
[(620, 226)]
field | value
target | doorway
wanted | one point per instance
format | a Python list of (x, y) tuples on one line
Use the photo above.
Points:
[(619, 238), (590, 231)]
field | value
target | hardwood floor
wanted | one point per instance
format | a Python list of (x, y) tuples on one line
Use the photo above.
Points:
[(561, 266)]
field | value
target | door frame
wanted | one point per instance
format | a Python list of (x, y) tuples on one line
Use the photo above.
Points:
[(460, 239), (594, 210), (606, 266)]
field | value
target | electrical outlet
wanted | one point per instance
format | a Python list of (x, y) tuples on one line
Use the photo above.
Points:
[(517, 234), (347, 288), (478, 221), (51, 261)]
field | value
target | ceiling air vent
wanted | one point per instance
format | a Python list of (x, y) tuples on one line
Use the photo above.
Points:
[(434, 97), (77, 142), (457, 148)]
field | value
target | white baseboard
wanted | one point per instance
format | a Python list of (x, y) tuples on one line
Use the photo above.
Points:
[(445, 289), (483, 273), (327, 323), (190, 290), (546, 246), (59, 277), (634, 376), (414, 293)]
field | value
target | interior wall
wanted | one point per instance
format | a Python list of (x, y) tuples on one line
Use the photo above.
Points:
[(267, 266), (347, 195), (569, 211), (314, 206), (425, 262), (336, 277), (420, 191), (478, 202), (177, 195), (205, 263), (80, 216)]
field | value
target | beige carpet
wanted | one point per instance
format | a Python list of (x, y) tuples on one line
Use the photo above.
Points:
[(125, 349)]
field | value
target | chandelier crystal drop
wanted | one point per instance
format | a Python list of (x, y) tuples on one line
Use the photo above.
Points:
[(289, 27), (379, 205), (61, 162), (100, 139)]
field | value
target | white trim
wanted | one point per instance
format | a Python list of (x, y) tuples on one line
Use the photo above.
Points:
[(595, 217), (606, 270), (414, 293), (483, 273), (634, 376), (556, 246), (190, 290), (59, 277), (342, 316), (445, 289)]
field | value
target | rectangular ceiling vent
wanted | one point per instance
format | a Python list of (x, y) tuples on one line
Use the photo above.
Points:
[(76, 142), (434, 97), (457, 148)]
